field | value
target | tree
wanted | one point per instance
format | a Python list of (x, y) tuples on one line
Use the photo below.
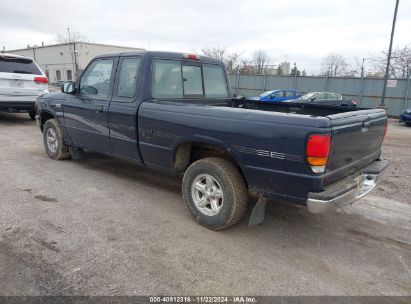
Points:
[(232, 60), (70, 37), (260, 59), (334, 65), (295, 71), (400, 66)]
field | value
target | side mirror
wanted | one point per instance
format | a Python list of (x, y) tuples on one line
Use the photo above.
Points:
[(68, 87)]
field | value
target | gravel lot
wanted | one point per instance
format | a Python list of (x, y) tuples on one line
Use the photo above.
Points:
[(101, 226)]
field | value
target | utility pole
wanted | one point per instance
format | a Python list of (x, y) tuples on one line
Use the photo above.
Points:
[(387, 70)]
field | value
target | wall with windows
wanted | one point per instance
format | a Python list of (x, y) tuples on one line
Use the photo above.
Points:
[(59, 61)]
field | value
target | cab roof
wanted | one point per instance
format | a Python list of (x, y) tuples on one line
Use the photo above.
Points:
[(162, 55)]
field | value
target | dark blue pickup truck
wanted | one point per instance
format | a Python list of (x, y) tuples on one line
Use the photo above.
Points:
[(175, 112)]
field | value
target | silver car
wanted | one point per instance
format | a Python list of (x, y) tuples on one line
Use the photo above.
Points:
[(21, 82)]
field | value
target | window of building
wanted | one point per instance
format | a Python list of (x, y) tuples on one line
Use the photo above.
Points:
[(69, 75), (58, 75), (127, 81)]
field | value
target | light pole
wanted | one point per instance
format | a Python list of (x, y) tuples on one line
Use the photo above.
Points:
[(389, 53)]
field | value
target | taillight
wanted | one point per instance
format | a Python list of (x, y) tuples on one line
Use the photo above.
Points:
[(318, 149), (191, 56), (41, 80)]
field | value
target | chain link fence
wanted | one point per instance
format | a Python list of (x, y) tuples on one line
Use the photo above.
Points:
[(367, 91)]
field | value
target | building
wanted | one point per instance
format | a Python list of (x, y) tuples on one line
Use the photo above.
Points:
[(66, 61)]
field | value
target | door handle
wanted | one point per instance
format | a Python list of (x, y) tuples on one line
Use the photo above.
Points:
[(100, 109)]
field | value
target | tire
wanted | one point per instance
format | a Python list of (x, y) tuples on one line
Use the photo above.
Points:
[(32, 115), (55, 149), (228, 205)]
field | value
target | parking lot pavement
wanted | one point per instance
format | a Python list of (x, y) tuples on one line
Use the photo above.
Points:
[(101, 226)]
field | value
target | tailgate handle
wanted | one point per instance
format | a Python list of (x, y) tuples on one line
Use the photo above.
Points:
[(366, 124)]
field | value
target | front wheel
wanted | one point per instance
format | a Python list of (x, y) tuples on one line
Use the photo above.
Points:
[(215, 193), (53, 140)]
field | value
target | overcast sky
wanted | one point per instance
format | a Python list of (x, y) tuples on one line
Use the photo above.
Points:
[(300, 31)]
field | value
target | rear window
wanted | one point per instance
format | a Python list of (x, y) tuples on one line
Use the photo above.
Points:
[(176, 79), (214, 81), (18, 66)]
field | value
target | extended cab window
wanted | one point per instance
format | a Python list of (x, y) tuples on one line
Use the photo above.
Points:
[(127, 80), (176, 79), (96, 79), (167, 80)]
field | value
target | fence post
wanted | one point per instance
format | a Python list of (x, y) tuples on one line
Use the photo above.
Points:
[(238, 80), (295, 80), (265, 80), (361, 89), (407, 92), (326, 82)]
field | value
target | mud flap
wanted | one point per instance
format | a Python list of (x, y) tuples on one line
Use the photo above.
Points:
[(76, 153), (257, 215)]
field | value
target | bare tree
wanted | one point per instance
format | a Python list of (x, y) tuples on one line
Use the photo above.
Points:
[(400, 66), (260, 59), (231, 60), (401, 62), (334, 65), (70, 37)]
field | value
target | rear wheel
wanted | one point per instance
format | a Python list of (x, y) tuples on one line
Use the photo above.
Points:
[(53, 140), (32, 115), (215, 193)]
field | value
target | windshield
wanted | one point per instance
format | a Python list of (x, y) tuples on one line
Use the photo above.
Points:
[(18, 66), (307, 96), (266, 94)]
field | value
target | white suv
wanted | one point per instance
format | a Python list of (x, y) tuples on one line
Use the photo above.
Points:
[(21, 82)]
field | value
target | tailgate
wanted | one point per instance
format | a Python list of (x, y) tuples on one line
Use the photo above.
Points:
[(356, 139)]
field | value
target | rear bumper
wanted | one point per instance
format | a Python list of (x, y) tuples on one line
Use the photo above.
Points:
[(348, 190), (17, 103), (17, 106)]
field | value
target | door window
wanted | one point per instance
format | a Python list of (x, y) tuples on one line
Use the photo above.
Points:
[(290, 94), (320, 96), (96, 79), (127, 80), (278, 94)]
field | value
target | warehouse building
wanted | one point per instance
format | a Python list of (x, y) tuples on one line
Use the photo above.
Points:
[(66, 61)]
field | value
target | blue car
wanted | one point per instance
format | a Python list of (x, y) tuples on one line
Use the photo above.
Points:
[(406, 116), (278, 95)]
